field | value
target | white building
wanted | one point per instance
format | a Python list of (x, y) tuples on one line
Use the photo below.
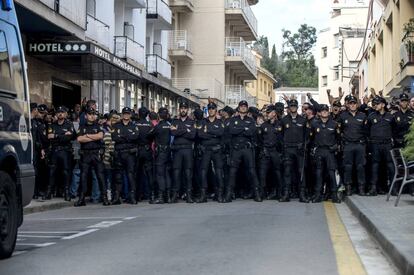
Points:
[(339, 47), (300, 93)]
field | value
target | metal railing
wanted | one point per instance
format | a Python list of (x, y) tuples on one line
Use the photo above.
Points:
[(125, 47), (200, 87), (98, 31), (159, 7), (179, 40), (407, 50), (244, 6), (158, 65), (234, 94), (238, 47)]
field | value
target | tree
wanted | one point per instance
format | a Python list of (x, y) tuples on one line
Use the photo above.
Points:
[(408, 150)]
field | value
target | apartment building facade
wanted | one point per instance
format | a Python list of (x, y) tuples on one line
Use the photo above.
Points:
[(299, 93), (209, 48), (338, 48), (113, 51)]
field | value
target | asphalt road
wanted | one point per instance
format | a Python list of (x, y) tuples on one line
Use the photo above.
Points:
[(243, 237)]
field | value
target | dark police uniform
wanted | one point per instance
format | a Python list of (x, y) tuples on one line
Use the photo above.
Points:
[(270, 153), (354, 135), (60, 153), (91, 158), (125, 137), (182, 148), (210, 134), (402, 123), (325, 137), (243, 132), (380, 137)]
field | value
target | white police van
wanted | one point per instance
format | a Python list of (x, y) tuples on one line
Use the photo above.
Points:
[(16, 169)]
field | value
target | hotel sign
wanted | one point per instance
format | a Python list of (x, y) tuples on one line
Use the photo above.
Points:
[(76, 48)]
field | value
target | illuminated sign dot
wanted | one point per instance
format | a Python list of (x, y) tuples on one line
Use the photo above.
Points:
[(76, 47), (68, 47), (83, 47)]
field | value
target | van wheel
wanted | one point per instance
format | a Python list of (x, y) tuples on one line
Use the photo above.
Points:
[(8, 215)]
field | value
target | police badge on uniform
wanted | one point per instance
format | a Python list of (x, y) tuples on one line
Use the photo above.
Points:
[(346, 121), (398, 119), (375, 120), (287, 126), (236, 122), (318, 130), (265, 129)]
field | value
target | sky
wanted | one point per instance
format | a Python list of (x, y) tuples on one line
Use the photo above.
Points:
[(275, 15)]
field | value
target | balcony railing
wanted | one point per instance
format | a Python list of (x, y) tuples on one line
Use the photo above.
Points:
[(179, 41), (407, 50), (156, 8), (237, 47), (98, 31), (234, 94), (200, 87), (244, 6), (182, 5), (158, 65), (128, 48)]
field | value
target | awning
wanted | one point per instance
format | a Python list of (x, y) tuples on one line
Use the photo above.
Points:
[(84, 59)]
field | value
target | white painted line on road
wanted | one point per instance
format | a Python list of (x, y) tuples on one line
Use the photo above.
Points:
[(129, 218), (36, 244), (20, 239), (16, 253), (79, 218), (48, 232), (80, 234), (39, 236), (104, 224)]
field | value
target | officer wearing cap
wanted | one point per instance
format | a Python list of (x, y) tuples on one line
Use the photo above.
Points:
[(41, 145), (125, 135), (60, 134), (270, 152), (198, 115), (162, 136), (226, 113), (90, 137), (353, 126), (294, 138), (325, 134), (34, 113), (210, 133), (242, 130), (403, 119), (380, 124), (184, 132), (144, 156)]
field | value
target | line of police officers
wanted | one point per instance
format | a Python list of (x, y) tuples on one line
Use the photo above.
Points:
[(289, 147)]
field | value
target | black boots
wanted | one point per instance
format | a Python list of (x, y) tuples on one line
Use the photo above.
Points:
[(105, 200), (317, 199), (285, 196), (116, 200), (189, 198), (348, 190), (174, 197), (257, 195), (373, 191), (302, 197), (361, 190), (131, 197), (203, 197), (81, 200), (335, 198), (159, 199), (66, 195)]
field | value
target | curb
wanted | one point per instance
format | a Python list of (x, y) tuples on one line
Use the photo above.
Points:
[(46, 207), (400, 253)]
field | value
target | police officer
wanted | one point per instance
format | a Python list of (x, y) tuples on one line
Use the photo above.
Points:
[(37, 148), (354, 134), (210, 133), (125, 135), (380, 125), (294, 140), (270, 151), (325, 134), (60, 134), (90, 136), (144, 155), (184, 132), (42, 145), (242, 130), (403, 119), (198, 154)]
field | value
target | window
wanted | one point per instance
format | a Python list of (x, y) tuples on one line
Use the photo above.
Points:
[(261, 84), (324, 52), (324, 80), (336, 72), (4, 57), (336, 39), (265, 87)]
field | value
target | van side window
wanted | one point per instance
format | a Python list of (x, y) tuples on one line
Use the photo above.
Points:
[(11, 66)]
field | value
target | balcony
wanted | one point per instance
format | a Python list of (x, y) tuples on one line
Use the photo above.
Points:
[(179, 45), (135, 4), (240, 59), (130, 50), (182, 6), (407, 61), (157, 65), (236, 93), (242, 19), (203, 88), (159, 13), (97, 31)]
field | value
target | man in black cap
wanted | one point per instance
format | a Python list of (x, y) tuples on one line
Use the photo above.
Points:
[(270, 152), (380, 124), (336, 109), (403, 119), (60, 134), (226, 114), (354, 137), (90, 136), (162, 136), (125, 135), (42, 147), (198, 154), (210, 132), (294, 139), (144, 157), (183, 130), (34, 113), (325, 134), (242, 130)]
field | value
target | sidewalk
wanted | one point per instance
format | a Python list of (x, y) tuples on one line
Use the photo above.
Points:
[(39, 205), (392, 227)]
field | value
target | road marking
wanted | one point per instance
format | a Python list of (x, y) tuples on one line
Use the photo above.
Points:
[(48, 232), (129, 218), (80, 234), (104, 224), (347, 260), (39, 236), (80, 218), (36, 244), (17, 253)]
